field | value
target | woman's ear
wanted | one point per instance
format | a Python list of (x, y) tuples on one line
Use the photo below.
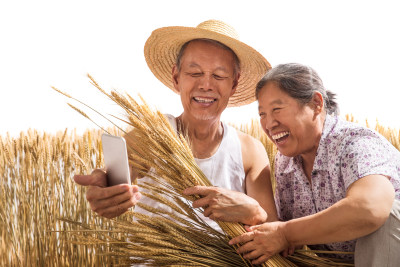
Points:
[(317, 103), (175, 74)]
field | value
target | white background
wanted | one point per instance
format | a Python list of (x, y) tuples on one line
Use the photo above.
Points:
[(353, 45)]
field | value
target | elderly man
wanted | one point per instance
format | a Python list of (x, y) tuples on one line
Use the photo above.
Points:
[(211, 70)]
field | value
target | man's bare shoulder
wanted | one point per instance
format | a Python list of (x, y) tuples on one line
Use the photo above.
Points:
[(253, 152), (249, 142)]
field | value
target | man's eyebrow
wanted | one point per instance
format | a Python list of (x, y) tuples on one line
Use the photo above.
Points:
[(195, 65), (222, 69)]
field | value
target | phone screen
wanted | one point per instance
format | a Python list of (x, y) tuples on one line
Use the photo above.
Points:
[(115, 159)]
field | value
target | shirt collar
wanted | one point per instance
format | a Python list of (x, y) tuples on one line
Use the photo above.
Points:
[(293, 164), (321, 159)]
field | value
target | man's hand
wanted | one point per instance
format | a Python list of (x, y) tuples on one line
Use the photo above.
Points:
[(262, 242), (106, 201), (227, 205)]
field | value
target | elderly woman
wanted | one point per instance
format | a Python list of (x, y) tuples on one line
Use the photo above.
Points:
[(338, 184)]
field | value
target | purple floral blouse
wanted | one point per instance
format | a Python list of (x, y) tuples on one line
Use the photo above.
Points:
[(346, 152)]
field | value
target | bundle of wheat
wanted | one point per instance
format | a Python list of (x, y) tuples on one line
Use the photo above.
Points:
[(175, 235), (157, 145), (36, 190)]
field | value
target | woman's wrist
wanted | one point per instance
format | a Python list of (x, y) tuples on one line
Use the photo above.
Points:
[(288, 234)]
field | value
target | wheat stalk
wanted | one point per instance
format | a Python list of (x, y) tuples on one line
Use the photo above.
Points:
[(36, 190)]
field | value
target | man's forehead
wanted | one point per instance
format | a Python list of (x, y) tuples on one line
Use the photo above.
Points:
[(194, 65), (207, 52), (208, 47)]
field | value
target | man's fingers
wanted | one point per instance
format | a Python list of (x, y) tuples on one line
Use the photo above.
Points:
[(84, 179), (208, 212), (96, 178), (114, 201), (197, 190), (98, 193), (115, 211), (202, 202)]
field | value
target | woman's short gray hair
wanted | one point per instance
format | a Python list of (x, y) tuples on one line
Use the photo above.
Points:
[(300, 82)]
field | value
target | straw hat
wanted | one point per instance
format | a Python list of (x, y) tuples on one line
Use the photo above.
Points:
[(162, 48)]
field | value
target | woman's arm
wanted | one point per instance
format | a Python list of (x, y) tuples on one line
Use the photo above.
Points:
[(365, 208)]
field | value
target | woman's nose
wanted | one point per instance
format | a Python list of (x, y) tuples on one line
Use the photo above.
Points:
[(270, 123)]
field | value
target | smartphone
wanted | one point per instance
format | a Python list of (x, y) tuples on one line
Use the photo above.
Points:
[(115, 159)]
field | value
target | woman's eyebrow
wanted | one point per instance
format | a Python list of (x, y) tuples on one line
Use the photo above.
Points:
[(276, 101)]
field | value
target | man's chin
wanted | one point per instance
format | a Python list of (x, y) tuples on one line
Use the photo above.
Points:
[(205, 117)]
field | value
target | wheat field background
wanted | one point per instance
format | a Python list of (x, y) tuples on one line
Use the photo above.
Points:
[(40, 205)]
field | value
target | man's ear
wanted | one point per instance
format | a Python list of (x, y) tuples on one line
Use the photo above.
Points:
[(317, 102), (235, 84), (175, 74)]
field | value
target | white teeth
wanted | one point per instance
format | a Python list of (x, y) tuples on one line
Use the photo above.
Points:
[(204, 100), (279, 135)]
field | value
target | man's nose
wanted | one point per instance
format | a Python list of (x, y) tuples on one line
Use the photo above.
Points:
[(206, 81)]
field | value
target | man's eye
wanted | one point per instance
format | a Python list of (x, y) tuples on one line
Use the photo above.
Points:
[(261, 114), (196, 74), (276, 109), (217, 77)]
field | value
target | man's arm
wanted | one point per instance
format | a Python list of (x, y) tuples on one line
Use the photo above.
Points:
[(258, 177), (231, 206)]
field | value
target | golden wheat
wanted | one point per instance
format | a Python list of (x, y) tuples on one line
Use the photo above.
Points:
[(45, 219)]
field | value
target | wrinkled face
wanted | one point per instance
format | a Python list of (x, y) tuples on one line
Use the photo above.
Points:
[(291, 125), (205, 80)]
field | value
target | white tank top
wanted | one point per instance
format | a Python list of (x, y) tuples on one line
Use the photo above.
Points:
[(224, 168)]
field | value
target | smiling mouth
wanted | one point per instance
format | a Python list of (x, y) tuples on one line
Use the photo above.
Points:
[(280, 137), (205, 100)]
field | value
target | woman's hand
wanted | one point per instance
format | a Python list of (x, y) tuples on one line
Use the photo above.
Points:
[(227, 205), (262, 242)]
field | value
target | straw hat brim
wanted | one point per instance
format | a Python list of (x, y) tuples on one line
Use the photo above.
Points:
[(162, 48)]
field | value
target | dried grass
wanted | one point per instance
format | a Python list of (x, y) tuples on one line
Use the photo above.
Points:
[(45, 219)]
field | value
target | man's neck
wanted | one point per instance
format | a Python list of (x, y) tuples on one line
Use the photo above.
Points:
[(205, 135)]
